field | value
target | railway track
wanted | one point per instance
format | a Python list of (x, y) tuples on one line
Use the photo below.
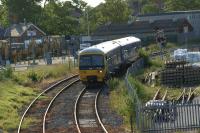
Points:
[(86, 112), (40, 109)]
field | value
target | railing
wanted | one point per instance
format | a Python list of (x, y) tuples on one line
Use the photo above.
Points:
[(132, 91), (169, 117), (165, 117), (135, 67)]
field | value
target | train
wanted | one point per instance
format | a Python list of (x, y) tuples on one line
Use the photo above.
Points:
[(98, 62)]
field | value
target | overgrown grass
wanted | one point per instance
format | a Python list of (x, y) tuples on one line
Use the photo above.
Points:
[(17, 89), (12, 98), (37, 74), (120, 100), (146, 92)]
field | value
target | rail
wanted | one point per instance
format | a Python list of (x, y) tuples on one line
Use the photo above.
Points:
[(45, 91), (76, 117), (50, 104)]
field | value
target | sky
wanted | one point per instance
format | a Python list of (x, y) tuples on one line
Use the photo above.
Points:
[(93, 3)]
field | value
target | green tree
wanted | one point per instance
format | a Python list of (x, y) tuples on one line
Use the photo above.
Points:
[(116, 11), (4, 16), (18, 10), (181, 5), (58, 18)]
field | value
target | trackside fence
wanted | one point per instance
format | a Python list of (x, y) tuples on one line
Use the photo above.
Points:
[(135, 67), (166, 117), (169, 117)]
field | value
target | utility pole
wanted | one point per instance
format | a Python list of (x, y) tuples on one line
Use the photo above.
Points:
[(88, 24)]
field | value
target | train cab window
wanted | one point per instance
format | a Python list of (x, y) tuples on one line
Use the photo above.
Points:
[(91, 62), (97, 60), (85, 61)]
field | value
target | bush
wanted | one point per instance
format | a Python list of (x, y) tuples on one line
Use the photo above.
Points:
[(145, 55), (33, 76), (6, 73), (113, 83)]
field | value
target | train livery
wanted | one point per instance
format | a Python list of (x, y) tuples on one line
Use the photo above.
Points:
[(98, 62)]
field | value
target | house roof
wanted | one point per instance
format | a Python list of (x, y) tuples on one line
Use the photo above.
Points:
[(17, 30), (142, 27), (170, 13)]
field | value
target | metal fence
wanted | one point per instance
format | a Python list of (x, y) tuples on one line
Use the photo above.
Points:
[(162, 117), (169, 117), (135, 67)]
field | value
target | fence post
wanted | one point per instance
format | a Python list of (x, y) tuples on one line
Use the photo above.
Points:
[(131, 122)]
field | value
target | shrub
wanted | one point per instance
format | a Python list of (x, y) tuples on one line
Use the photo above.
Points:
[(6, 73), (113, 83), (33, 76)]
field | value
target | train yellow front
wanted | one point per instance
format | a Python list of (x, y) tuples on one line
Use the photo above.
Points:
[(91, 65), (98, 62)]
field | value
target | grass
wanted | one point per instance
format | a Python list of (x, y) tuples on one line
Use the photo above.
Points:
[(12, 99), (17, 89), (39, 73), (146, 92), (120, 100)]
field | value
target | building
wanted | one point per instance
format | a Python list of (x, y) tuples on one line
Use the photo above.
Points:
[(193, 18), (22, 33), (145, 30)]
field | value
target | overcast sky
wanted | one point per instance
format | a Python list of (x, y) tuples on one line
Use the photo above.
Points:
[(93, 3)]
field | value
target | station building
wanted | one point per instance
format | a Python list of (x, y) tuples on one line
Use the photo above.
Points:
[(19, 35)]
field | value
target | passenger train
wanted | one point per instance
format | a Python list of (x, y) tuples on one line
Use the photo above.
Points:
[(98, 62)]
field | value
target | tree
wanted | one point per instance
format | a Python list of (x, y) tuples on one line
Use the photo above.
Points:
[(18, 10), (4, 16), (182, 5), (58, 18), (116, 11), (152, 6), (80, 4)]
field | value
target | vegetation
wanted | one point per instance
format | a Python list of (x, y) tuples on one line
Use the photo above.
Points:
[(70, 17), (159, 6), (12, 98), (40, 73), (18, 88), (120, 100)]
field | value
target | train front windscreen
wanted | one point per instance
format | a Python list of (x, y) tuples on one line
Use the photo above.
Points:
[(91, 62)]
